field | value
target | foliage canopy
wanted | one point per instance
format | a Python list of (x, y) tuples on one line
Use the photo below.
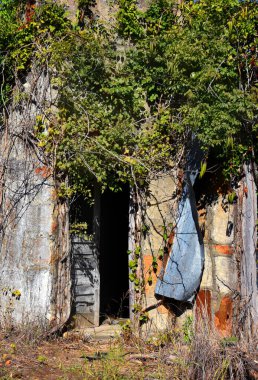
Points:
[(131, 96)]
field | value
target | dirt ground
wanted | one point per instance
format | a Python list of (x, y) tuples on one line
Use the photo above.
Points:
[(67, 359), (84, 357)]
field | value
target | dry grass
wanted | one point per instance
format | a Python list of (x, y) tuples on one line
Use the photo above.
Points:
[(173, 354), (197, 353), (212, 358), (27, 332)]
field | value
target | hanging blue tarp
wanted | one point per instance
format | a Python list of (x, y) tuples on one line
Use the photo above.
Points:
[(182, 274)]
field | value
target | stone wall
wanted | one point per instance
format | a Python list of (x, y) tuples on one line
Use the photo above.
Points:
[(228, 291), (220, 281), (227, 296), (160, 219)]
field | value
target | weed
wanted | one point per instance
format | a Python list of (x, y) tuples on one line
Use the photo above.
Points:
[(13, 348), (127, 330), (188, 329), (42, 359)]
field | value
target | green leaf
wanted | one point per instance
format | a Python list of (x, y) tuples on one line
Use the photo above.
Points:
[(203, 169)]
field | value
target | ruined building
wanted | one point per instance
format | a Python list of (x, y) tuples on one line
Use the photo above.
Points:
[(49, 274)]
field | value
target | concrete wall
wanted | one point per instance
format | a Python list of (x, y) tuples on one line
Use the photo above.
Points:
[(33, 231), (26, 241), (228, 291)]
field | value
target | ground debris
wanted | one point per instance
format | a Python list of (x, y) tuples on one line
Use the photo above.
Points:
[(67, 359), (143, 357), (97, 356)]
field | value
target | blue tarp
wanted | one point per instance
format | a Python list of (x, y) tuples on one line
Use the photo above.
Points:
[(181, 277)]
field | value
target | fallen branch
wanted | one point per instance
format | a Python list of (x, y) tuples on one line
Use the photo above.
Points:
[(142, 356), (152, 307)]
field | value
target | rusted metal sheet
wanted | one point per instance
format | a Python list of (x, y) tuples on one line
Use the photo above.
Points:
[(182, 274)]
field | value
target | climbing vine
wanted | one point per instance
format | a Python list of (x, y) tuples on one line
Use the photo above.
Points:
[(189, 68), (129, 99)]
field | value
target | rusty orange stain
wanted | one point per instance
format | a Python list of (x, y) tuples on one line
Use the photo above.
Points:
[(30, 10), (149, 289), (203, 304), (223, 249), (223, 317), (54, 258), (147, 264), (54, 226), (43, 171)]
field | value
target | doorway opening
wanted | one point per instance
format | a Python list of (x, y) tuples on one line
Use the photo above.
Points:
[(113, 262)]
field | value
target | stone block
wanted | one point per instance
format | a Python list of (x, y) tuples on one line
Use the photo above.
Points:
[(226, 274), (159, 320), (207, 280), (217, 223)]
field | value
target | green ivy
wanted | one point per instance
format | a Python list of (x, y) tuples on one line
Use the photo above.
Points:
[(185, 71)]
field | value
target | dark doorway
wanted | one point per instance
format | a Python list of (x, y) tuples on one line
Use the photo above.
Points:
[(114, 282)]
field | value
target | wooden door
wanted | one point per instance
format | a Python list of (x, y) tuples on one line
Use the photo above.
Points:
[(85, 274)]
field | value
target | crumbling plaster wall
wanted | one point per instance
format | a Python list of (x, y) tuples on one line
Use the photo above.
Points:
[(26, 242), (34, 245)]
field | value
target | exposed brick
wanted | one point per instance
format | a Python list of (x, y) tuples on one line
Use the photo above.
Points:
[(147, 263), (223, 249), (203, 304), (223, 317)]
